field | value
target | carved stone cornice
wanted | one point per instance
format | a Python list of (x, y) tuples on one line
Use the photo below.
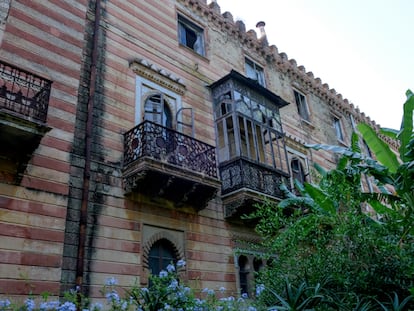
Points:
[(158, 75)]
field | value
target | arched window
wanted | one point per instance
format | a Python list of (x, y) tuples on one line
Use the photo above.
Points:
[(257, 264), (298, 172), (157, 110), (243, 274), (161, 254)]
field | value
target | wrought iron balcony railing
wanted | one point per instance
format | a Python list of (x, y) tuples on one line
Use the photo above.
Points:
[(152, 140), (241, 174), (23, 92)]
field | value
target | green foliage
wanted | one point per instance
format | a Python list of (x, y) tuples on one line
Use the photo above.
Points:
[(325, 233), (302, 297)]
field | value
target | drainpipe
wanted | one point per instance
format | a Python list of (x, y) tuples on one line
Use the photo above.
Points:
[(83, 218)]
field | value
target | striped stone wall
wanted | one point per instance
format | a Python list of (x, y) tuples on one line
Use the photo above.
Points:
[(41, 218), (45, 38)]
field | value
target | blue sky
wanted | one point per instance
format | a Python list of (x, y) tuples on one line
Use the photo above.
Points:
[(364, 49)]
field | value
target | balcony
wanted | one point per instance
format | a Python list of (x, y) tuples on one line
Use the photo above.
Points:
[(24, 100), (245, 183), (165, 164)]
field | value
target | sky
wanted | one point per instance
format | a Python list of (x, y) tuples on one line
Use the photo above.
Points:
[(364, 49)]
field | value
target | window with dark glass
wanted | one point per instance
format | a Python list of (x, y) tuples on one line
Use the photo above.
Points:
[(338, 129), (243, 274), (190, 35), (302, 105), (254, 72), (158, 111), (160, 256), (298, 173), (248, 126)]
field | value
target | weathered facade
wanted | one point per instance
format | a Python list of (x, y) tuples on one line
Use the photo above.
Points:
[(135, 132)]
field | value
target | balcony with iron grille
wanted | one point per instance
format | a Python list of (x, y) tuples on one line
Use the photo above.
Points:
[(24, 101), (162, 163), (245, 183)]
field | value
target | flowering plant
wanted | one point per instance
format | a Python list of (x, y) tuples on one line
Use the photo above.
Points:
[(165, 292)]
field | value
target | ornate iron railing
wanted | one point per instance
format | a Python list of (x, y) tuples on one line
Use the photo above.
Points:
[(23, 92), (149, 139), (242, 173)]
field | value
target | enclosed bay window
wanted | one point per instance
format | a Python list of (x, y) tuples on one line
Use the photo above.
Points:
[(250, 141), (249, 126)]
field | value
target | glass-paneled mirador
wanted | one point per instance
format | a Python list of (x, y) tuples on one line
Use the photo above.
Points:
[(249, 126)]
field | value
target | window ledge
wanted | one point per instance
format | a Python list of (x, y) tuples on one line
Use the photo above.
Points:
[(307, 123), (342, 143), (183, 46)]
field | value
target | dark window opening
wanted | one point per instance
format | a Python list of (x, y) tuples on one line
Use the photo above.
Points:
[(190, 35), (157, 110), (257, 264), (243, 274), (302, 106), (338, 129), (160, 256), (254, 72), (298, 172)]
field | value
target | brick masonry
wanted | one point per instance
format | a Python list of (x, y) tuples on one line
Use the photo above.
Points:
[(39, 218)]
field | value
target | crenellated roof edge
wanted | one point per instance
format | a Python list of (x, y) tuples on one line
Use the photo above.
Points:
[(270, 53)]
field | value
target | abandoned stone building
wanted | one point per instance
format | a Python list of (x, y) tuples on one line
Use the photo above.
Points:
[(135, 133)]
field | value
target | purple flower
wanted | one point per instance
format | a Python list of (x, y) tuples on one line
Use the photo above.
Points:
[(96, 306), (67, 306), (259, 289), (112, 296), (4, 303), (170, 268), (181, 263), (50, 305), (30, 304), (111, 281)]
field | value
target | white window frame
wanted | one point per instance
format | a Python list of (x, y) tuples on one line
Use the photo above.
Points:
[(302, 106), (254, 71), (144, 89), (185, 26)]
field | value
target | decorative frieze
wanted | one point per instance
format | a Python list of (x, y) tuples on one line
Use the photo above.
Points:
[(158, 75)]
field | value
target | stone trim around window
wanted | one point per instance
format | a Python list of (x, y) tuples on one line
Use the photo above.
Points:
[(158, 75)]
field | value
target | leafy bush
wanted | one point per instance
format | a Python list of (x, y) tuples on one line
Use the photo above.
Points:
[(325, 236)]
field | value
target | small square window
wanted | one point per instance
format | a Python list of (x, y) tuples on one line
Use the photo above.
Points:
[(191, 35), (254, 72), (302, 105), (338, 129)]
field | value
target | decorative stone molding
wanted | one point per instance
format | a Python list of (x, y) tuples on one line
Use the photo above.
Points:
[(4, 11), (296, 143), (158, 75), (152, 234)]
